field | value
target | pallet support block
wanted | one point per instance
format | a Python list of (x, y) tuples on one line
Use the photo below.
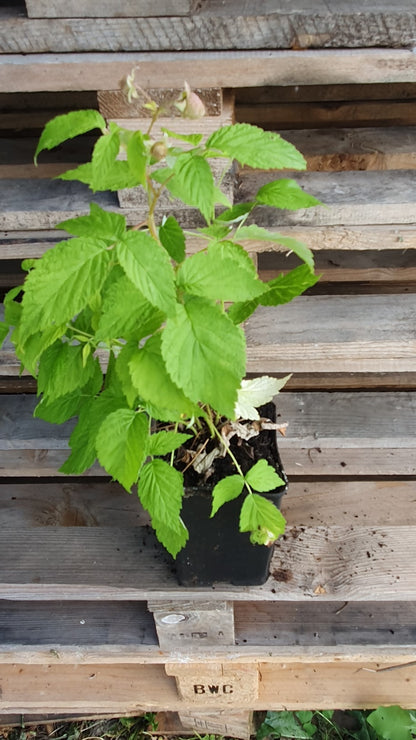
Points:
[(215, 684), (224, 722), (191, 623)]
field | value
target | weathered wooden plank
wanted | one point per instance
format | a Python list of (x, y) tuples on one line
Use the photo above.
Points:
[(325, 93), (328, 114), (356, 149), (214, 26), (106, 8), (122, 688), (91, 504), (351, 198), (24, 244), (16, 157), (99, 71)]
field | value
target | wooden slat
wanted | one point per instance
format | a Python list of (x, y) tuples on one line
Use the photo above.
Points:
[(356, 149), (47, 72), (24, 244), (328, 114), (106, 8), (16, 158), (350, 198), (325, 93), (213, 26), (119, 688)]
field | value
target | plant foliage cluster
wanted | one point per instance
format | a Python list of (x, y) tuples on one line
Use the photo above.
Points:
[(167, 323)]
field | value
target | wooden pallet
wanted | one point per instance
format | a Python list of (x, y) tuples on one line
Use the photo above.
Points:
[(91, 617)]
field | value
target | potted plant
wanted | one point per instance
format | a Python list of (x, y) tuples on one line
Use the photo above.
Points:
[(143, 343)]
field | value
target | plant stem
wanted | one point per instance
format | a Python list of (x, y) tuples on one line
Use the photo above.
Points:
[(228, 450)]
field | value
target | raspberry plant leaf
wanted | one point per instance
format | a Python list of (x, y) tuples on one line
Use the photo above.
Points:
[(190, 348), (226, 490), (121, 445), (126, 313), (147, 265), (99, 224), (261, 518), (254, 147), (258, 233), (192, 181), (67, 126), (285, 194), (173, 239), (160, 490), (161, 443), (262, 477)]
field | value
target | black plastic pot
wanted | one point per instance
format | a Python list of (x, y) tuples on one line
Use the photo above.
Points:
[(217, 552)]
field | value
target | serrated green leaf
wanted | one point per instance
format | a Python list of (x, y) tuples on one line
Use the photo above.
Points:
[(286, 287), (160, 490), (221, 198), (236, 213), (137, 157), (223, 272), (4, 330), (100, 224), (216, 231), (82, 173), (61, 369), (67, 126), (255, 147), (173, 239), (154, 385), (257, 233), (58, 410), (260, 517), (284, 724), (126, 313), (256, 392), (392, 723), (225, 490), (103, 158), (28, 264), (161, 443), (36, 344), (278, 291), (193, 139), (147, 265), (263, 477), (193, 183), (62, 283), (83, 438), (122, 371), (285, 194), (204, 354), (121, 445)]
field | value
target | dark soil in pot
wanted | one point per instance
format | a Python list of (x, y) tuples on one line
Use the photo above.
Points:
[(216, 550)]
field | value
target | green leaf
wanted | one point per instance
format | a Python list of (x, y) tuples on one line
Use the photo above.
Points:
[(62, 370), (286, 194), (193, 139), (173, 239), (103, 158), (121, 445), (257, 233), (160, 490), (277, 291), (147, 265), (263, 477), (83, 437), (137, 157), (392, 723), (284, 724), (64, 407), (100, 224), (68, 126), (204, 354), (255, 392), (161, 443), (260, 517), (122, 369), (216, 231), (236, 213), (286, 287), (257, 148), (4, 330), (62, 283), (154, 385), (225, 490), (36, 344), (221, 198), (126, 313), (193, 183), (223, 272), (82, 173)]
